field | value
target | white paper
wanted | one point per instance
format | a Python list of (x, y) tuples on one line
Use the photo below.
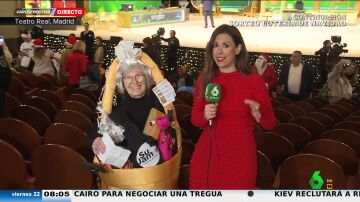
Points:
[(164, 92), (113, 155)]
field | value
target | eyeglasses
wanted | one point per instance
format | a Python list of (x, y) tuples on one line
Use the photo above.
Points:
[(138, 78)]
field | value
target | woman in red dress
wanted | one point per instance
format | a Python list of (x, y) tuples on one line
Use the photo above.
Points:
[(230, 161)]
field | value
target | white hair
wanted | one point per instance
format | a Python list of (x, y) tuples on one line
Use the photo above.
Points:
[(124, 68)]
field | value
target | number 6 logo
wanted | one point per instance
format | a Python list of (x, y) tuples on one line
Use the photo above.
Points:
[(316, 181)]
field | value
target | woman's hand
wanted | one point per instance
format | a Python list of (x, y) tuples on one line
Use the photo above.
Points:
[(254, 107), (98, 146), (210, 111), (104, 165)]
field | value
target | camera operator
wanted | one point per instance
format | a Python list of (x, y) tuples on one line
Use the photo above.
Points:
[(340, 79), (337, 49), (156, 39), (325, 54), (173, 46)]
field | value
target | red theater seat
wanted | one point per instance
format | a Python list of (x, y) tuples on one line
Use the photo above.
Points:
[(13, 173), (73, 118), (20, 135), (70, 136), (59, 167), (297, 170), (265, 172)]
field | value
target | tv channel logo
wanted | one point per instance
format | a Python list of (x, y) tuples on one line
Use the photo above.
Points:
[(316, 181)]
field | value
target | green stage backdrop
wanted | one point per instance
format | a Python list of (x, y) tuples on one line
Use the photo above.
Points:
[(107, 6), (338, 6), (325, 5), (233, 6), (110, 6)]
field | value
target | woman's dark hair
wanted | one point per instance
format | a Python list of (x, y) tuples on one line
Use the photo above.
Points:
[(211, 69)]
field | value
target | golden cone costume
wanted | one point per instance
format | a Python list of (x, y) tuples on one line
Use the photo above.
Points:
[(162, 176)]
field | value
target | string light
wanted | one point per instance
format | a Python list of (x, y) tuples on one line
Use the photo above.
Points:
[(194, 57)]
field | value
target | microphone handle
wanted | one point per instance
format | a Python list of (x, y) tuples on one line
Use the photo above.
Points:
[(210, 120)]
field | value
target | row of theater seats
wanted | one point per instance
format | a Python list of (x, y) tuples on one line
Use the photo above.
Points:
[(45, 135), (310, 135)]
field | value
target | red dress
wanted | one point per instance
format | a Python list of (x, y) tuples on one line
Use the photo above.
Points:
[(233, 162)]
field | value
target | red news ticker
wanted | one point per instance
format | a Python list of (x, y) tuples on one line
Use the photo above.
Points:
[(69, 12)]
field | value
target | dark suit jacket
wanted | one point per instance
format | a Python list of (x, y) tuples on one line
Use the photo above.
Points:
[(89, 41), (306, 80), (326, 59)]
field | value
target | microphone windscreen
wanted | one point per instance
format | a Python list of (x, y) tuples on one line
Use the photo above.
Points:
[(213, 92)]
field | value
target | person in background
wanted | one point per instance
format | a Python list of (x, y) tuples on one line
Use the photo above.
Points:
[(69, 44), (42, 59), (77, 64), (5, 79), (207, 6), (325, 60), (37, 32), (99, 53), (150, 49), (88, 37), (188, 86), (7, 53), (299, 5), (296, 79), (264, 67), (156, 38), (340, 79), (183, 73), (225, 155), (99, 69), (26, 50), (173, 46)]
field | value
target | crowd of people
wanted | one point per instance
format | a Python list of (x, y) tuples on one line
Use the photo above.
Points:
[(79, 64)]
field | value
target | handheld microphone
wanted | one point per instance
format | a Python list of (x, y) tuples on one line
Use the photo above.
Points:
[(212, 94)]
